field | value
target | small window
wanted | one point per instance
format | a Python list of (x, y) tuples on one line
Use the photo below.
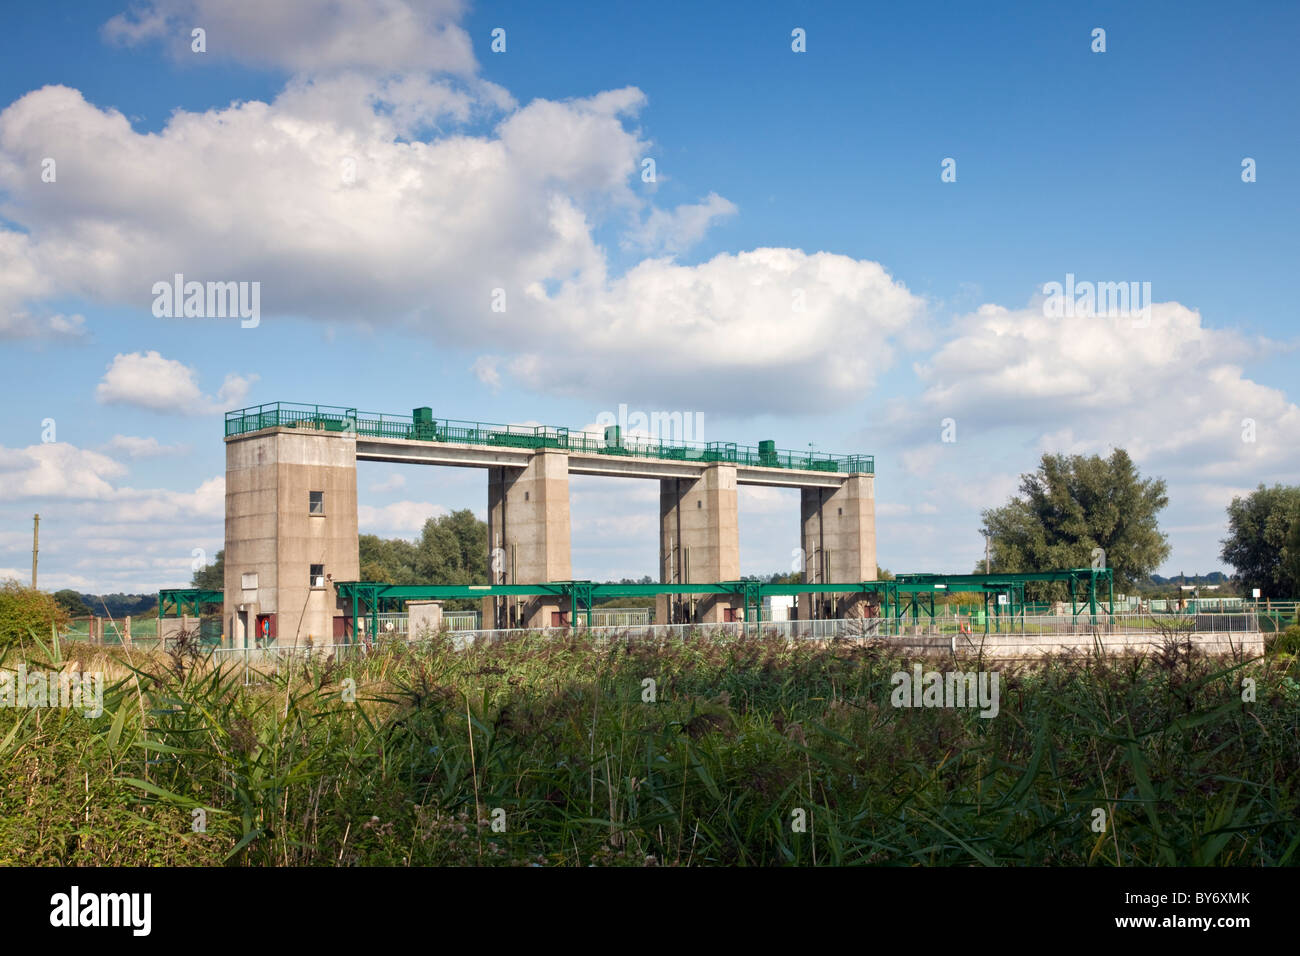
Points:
[(318, 575), (841, 511), (316, 502), (525, 496), (699, 503), (249, 580)]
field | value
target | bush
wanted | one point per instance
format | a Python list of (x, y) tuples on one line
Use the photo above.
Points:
[(24, 610), (1286, 642)]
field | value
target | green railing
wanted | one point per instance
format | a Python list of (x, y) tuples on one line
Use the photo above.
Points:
[(331, 418)]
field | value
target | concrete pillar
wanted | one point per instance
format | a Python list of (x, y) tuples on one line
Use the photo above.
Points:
[(528, 536), (838, 527), (423, 619), (275, 531), (699, 542)]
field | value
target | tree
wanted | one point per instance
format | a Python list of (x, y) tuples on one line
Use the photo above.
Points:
[(211, 577), (24, 611), (1263, 543), (388, 560), (1292, 562), (1074, 505), (72, 603)]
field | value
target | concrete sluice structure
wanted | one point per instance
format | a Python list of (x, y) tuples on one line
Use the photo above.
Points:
[(291, 515), (292, 548)]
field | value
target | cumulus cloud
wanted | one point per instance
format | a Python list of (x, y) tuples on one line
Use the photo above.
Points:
[(57, 470), (136, 447), (24, 281), (148, 380), (306, 35), (133, 506), (150, 533), (674, 231), (1172, 391), (400, 517), (321, 183), (719, 333), (486, 369)]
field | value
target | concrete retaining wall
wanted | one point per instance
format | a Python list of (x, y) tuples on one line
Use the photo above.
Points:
[(1037, 645)]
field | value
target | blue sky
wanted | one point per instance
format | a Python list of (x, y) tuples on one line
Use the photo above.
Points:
[(779, 175)]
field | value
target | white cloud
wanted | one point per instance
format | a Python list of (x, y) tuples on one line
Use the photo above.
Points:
[(306, 35), (759, 499), (1173, 394), (921, 461), (400, 517), (678, 230), (150, 533), (321, 182), (23, 282), (716, 335), (57, 470), (136, 447), (148, 380), (131, 506)]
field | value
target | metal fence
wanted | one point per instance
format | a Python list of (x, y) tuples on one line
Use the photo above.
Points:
[(1045, 626), (144, 631), (333, 418)]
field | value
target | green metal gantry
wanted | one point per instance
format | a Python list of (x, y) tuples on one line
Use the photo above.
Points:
[(180, 601), (904, 596)]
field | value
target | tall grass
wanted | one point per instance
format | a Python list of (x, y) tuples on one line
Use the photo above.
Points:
[(553, 739)]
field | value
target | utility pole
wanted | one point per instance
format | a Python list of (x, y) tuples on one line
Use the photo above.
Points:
[(36, 540)]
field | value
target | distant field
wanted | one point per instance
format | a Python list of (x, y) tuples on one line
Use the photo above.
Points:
[(750, 752)]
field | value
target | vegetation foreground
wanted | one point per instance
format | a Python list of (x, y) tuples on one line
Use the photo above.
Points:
[(542, 751)]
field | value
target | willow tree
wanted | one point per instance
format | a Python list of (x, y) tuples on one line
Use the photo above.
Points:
[(1077, 512)]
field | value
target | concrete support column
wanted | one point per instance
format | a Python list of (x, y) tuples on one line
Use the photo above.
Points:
[(423, 619), (699, 542), (528, 537), (838, 528), (291, 504)]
